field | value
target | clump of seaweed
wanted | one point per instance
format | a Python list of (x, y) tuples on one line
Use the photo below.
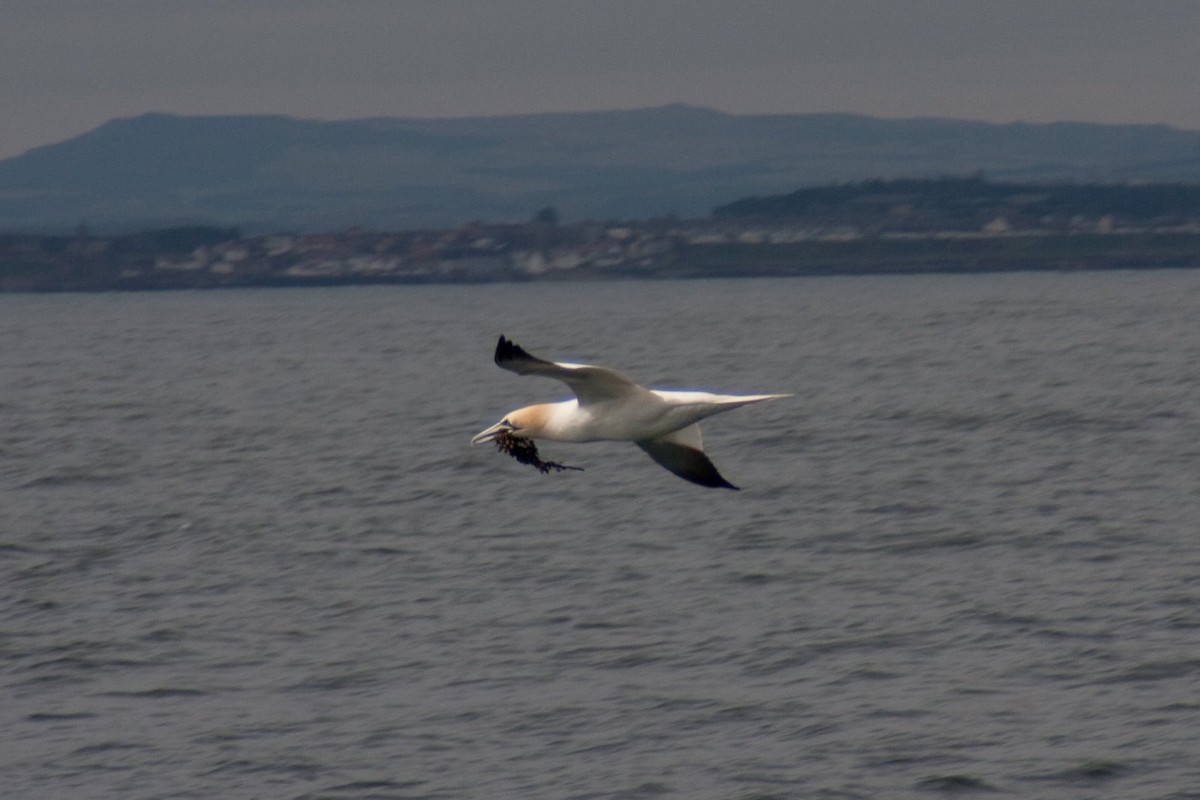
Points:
[(525, 451)]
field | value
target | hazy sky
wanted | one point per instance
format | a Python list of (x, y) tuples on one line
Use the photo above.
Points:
[(70, 65)]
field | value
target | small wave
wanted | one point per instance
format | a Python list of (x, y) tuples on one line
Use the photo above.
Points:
[(1157, 671), (902, 508), (1073, 420), (1087, 772), (105, 747), (160, 692), (46, 716), (1094, 771), (935, 418), (64, 478), (375, 788), (954, 783)]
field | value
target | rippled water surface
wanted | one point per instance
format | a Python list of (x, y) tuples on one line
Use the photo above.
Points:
[(246, 550)]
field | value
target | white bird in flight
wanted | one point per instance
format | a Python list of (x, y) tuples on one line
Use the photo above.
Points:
[(609, 406)]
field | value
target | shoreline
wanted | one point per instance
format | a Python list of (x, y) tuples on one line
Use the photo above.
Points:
[(76, 269)]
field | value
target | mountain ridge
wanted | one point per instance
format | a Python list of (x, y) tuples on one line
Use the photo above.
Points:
[(276, 172)]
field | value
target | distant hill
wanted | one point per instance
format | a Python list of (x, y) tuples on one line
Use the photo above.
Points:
[(264, 173)]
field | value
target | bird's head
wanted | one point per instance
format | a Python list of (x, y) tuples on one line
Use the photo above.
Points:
[(523, 423)]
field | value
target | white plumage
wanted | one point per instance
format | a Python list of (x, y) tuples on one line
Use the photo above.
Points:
[(609, 406)]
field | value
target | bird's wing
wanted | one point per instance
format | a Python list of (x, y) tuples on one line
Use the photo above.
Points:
[(681, 453), (590, 384)]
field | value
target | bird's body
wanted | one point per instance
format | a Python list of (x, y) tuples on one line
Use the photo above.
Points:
[(630, 419), (610, 407)]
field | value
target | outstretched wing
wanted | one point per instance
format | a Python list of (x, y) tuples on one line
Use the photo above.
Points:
[(590, 384), (681, 453)]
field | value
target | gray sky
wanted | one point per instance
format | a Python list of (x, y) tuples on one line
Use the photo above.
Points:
[(70, 65)]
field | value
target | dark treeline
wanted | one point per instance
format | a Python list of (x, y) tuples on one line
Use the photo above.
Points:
[(971, 202)]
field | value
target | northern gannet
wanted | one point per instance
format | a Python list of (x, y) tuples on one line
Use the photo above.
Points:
[(609, 406)]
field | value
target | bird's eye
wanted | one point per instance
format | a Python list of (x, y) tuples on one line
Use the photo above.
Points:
[(506, 422)]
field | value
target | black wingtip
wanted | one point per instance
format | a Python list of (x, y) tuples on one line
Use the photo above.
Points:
[(508, 350), (708, 477), (687, 462), (705, 474), (710, 481), (723, 484)]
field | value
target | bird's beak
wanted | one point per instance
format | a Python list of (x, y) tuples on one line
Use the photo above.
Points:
[(490, 433)]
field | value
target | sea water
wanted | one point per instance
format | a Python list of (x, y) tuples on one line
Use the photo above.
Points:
[(247, 551)]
